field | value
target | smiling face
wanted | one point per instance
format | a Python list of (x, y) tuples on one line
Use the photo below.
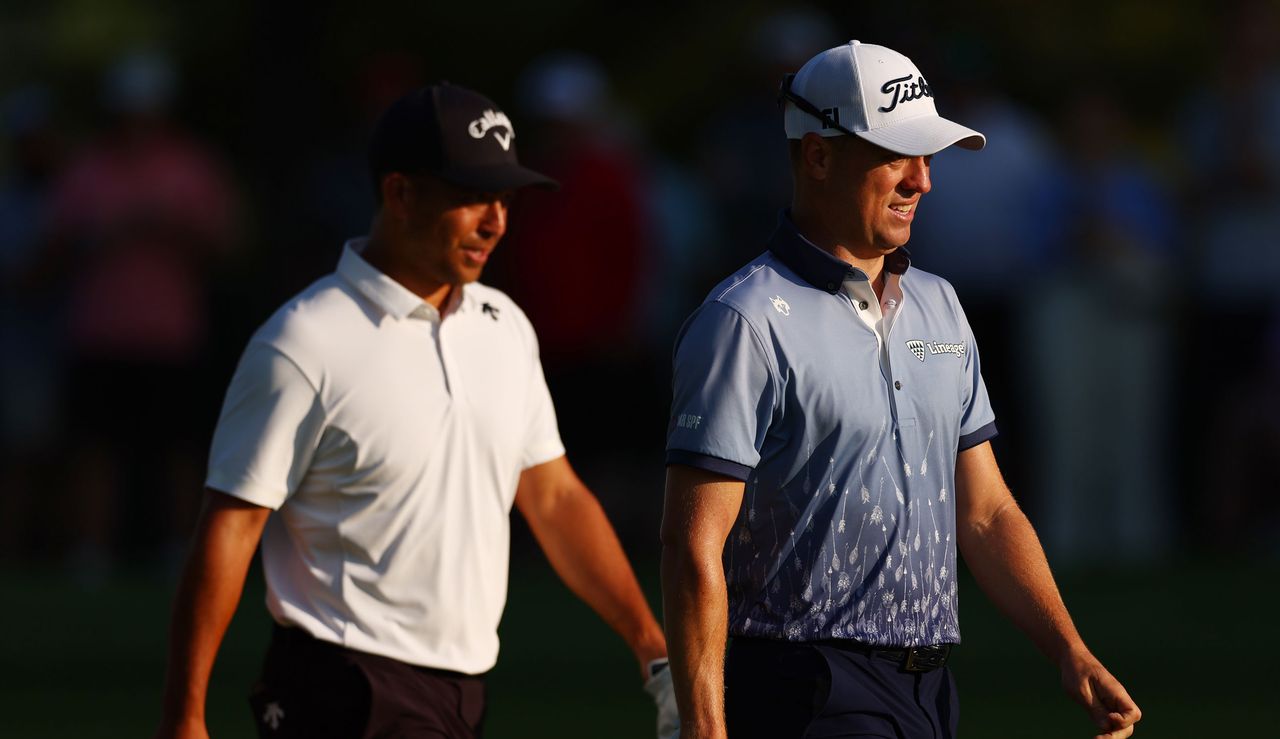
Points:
[(873, 194), (856, 197)]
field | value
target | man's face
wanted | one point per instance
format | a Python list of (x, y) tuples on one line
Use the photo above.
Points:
[(874, 194), (453, 230)]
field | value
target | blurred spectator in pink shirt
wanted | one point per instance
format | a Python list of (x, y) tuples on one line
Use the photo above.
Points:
[(136, 223)]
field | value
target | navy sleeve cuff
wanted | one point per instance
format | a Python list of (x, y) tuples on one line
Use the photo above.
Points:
[(970, 440), (709, 463)]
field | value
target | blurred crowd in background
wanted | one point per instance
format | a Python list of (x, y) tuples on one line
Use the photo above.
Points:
[(166, 180)]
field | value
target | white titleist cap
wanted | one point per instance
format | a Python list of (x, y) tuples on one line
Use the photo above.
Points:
[(874, 93)]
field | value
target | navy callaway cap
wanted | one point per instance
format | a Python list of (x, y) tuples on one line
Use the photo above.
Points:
[(452, 133)]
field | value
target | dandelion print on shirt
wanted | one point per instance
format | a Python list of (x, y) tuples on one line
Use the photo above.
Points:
[(856, 550)]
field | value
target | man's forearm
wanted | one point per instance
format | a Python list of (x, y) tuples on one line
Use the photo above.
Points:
[(695, 609), (585, 552), (208, 594), (1005, 557)]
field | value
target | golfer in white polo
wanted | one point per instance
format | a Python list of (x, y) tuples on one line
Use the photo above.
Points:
[(375, 436)]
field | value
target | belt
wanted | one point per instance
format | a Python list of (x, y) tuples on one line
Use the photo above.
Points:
[(910, 659)]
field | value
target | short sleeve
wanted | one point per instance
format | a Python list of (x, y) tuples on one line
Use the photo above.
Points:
[(267, 434), (977, 418), (723, 394), (542, 435)]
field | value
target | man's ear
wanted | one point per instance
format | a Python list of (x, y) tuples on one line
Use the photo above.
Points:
[(816, 156), (397, 193)]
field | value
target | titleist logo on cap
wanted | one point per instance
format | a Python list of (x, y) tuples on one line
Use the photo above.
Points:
[(904, 90), (882, 98)]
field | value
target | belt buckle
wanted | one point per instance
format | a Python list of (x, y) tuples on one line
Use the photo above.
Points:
[(925, 659)]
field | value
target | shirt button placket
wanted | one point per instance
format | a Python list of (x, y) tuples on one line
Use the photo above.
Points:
[(435, 328)]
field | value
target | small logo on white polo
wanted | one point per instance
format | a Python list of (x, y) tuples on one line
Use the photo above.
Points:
[(273, 715), (780, 305), (492, 120), (688, 421), (917, 348)]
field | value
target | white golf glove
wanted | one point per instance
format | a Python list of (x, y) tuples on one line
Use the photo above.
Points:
[(664, 695)]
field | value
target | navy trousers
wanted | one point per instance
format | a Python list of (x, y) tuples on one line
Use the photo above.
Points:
[(789, 690)]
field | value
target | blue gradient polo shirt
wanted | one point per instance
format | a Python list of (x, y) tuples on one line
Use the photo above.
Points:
[(843, 417)]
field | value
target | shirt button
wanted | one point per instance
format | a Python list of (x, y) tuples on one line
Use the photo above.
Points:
[(862, 305), (897, 384)]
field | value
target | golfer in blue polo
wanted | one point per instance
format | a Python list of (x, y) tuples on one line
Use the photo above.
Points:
[(828, 452)]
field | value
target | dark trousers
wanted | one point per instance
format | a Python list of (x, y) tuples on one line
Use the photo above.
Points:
[(789, 690), (313, 689)]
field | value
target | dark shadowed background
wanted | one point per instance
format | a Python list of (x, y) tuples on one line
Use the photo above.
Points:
[(170, 173)]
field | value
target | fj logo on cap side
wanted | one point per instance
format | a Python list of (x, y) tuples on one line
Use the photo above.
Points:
[(492, 120)]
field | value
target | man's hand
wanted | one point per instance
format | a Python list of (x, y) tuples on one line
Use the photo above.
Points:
[(1108, 703), (659, 686)]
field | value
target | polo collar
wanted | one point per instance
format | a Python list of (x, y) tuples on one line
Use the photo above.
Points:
[(391, 297), (816, 266)]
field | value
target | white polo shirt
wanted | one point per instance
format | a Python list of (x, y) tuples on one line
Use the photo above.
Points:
[(390, 442)]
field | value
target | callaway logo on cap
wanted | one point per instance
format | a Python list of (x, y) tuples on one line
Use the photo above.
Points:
[(496, 123), (453, 133), (874, 93)]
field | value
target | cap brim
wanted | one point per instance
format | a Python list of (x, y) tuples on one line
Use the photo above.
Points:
[(924, 136), (498, 177)]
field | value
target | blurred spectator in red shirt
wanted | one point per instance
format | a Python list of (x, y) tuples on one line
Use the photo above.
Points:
[(574, 256), (574, 259)]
